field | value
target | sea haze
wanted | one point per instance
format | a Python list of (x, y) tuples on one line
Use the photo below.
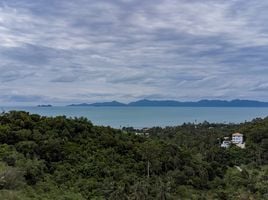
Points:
[(140, 117)]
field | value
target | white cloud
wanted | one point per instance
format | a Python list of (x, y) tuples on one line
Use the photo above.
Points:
[(125, 50)]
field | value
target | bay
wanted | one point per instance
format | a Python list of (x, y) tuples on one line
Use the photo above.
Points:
[(140, 117)]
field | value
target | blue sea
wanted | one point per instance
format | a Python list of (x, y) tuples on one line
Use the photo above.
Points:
[(140, 117)]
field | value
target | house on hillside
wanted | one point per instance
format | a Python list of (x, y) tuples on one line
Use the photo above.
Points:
[(226, 144), (237, 139)]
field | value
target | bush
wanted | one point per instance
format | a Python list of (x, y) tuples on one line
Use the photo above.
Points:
[(10, 178)]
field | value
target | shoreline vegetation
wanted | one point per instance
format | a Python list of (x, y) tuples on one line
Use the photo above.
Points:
[(70, 158)]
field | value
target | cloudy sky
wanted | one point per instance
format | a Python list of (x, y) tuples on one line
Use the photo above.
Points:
[(59, 51)]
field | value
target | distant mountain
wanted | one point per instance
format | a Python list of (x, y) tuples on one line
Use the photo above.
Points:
[(112, 103), (146, 102), (201, 103), (233, 103), (80, 104), (170, 103)]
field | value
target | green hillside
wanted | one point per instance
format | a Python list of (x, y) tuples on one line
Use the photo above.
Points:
[(71, 159)]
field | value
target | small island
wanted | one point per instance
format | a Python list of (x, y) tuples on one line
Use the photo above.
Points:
[(43, 105)]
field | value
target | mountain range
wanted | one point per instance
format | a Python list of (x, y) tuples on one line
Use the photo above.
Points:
[(172, 103)]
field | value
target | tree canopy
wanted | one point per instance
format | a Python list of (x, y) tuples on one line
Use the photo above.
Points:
[(71, 159)]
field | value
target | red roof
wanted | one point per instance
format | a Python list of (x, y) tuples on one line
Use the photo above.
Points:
[(237, 134)]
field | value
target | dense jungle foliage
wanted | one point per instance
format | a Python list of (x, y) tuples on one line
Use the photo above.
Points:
[(61, 158)]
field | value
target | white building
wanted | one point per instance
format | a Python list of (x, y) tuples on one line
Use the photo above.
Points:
[(225, 144), (237, 138)]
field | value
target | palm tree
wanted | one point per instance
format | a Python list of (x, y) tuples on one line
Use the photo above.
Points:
[(139, 191)]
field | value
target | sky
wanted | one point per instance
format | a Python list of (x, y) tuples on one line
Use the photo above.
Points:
[(75, 51)]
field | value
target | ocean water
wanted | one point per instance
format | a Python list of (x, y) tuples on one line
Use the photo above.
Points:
[(140, 117)]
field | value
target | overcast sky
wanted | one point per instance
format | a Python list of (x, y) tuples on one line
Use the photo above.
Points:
[(71, 51)]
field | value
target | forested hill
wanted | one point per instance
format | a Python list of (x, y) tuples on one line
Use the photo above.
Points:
[(71, 159)]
